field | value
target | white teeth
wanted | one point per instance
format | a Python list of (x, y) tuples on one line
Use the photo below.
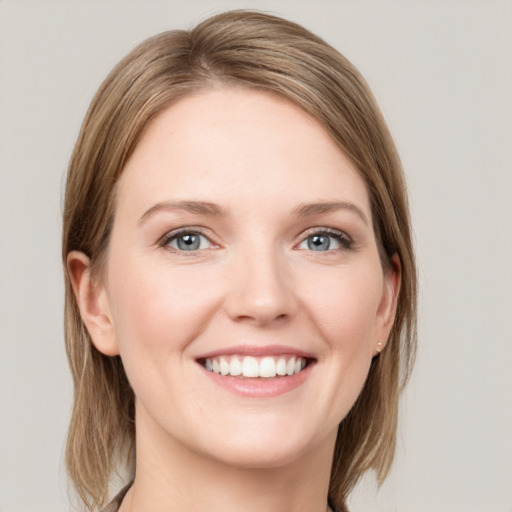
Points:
[(251, 367), (235, 367), (290, 367), (281, 366), (267, 367), (224, 366)]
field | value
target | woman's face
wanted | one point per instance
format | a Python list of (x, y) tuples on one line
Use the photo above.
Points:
[(243, 242)]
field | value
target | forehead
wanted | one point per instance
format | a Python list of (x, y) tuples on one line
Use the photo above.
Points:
[(238, 145)]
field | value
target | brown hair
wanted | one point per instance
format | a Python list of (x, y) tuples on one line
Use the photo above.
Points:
[(255, 50)]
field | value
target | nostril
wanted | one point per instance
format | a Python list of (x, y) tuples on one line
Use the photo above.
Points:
[(262, 317)]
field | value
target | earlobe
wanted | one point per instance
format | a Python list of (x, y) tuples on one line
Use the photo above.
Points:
[(387, 307), (92, 301)]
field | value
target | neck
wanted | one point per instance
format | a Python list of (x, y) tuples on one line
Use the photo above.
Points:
[(171, 477)]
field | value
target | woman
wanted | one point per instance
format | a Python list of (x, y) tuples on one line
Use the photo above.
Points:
[(241, 288)]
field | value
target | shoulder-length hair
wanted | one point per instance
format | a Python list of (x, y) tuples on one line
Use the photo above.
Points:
[(264, 52)]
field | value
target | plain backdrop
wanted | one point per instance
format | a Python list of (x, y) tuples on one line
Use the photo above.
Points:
[(442, 73)]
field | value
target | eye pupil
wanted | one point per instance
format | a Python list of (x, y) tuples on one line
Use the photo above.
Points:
[(188, 242), (319, 243)]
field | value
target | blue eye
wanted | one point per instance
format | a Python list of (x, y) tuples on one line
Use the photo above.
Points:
[(326, 241), (187, 241)]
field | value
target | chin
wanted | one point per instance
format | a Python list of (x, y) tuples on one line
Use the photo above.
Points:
[(256, 457), (266, 446)]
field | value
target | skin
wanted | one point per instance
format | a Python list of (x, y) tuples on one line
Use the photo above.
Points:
[(254, 280)]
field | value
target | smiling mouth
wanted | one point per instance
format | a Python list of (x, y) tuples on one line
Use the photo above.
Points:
[(250, 367)]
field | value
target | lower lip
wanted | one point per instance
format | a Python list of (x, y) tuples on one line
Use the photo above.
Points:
[(259, 388)]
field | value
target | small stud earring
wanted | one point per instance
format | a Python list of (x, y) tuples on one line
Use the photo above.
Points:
[(379, 346)]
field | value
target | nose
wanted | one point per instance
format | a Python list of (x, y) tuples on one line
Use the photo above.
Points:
[(260, 289)]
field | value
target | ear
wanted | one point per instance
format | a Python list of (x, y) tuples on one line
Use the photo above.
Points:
[(92, 300), (387, 307)]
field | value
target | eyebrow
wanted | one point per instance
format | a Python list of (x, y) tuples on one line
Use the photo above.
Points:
[(200, 207), (214, 210), (307, 209)]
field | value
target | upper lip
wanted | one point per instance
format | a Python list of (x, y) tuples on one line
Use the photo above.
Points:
[(257, 351)]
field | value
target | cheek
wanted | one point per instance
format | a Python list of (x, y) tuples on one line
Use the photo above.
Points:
[(346, 312), (159, 310), (345, 315)]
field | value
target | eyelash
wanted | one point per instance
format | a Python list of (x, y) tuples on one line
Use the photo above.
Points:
[(173, 235), (341, 237), (346, 241)]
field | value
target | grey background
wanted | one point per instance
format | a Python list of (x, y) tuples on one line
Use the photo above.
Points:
[(442, 73)]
